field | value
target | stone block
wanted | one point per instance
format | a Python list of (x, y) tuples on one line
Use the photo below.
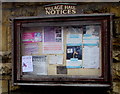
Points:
[(6, 14), (116, 87), (0, 36), (5, 68), (0, 86), (4, 38), (115, 10), (116, 71), (12, 87), (3, 86)]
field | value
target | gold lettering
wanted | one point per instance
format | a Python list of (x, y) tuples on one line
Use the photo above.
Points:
[(61, 12), (65, 7), (56, 7), (46, 9), (64, 11), (61, 9), (57, 11), (53, 12), (48, 12), (69, 7), (69, 11), (73, 11)]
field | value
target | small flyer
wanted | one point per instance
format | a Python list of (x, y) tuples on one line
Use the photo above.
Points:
[(31, 37), (55, 59), (27, 64), (74, 52)]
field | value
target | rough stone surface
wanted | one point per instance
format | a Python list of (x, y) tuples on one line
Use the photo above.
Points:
[(116, 87), (4, 86)]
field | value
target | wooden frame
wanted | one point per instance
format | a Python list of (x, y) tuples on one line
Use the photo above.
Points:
[(104, 80)]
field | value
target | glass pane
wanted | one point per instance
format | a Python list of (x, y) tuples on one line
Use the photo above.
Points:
[(61, 50)]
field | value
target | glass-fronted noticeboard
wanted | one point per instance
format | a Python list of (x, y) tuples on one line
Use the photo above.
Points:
[(65, 50)]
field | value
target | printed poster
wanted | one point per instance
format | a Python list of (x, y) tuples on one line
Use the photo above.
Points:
[(53, 40), (74, 51), (27, 64), (91, 47), (31, 37)]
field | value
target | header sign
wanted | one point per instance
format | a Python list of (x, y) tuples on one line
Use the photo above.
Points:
[(60, 9)]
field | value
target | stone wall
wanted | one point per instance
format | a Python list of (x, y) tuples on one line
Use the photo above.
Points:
[(10, 10)]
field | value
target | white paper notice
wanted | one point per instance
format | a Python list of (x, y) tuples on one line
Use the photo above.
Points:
[(39, 65), (55, 59), (91, 57), (27, 65)]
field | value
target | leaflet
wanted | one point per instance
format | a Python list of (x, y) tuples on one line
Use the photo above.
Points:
[(27, 64)]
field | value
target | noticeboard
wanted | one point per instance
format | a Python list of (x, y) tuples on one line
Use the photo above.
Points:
[(66, 50)]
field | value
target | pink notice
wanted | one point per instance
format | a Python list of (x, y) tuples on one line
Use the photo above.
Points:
[(32, 37)]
